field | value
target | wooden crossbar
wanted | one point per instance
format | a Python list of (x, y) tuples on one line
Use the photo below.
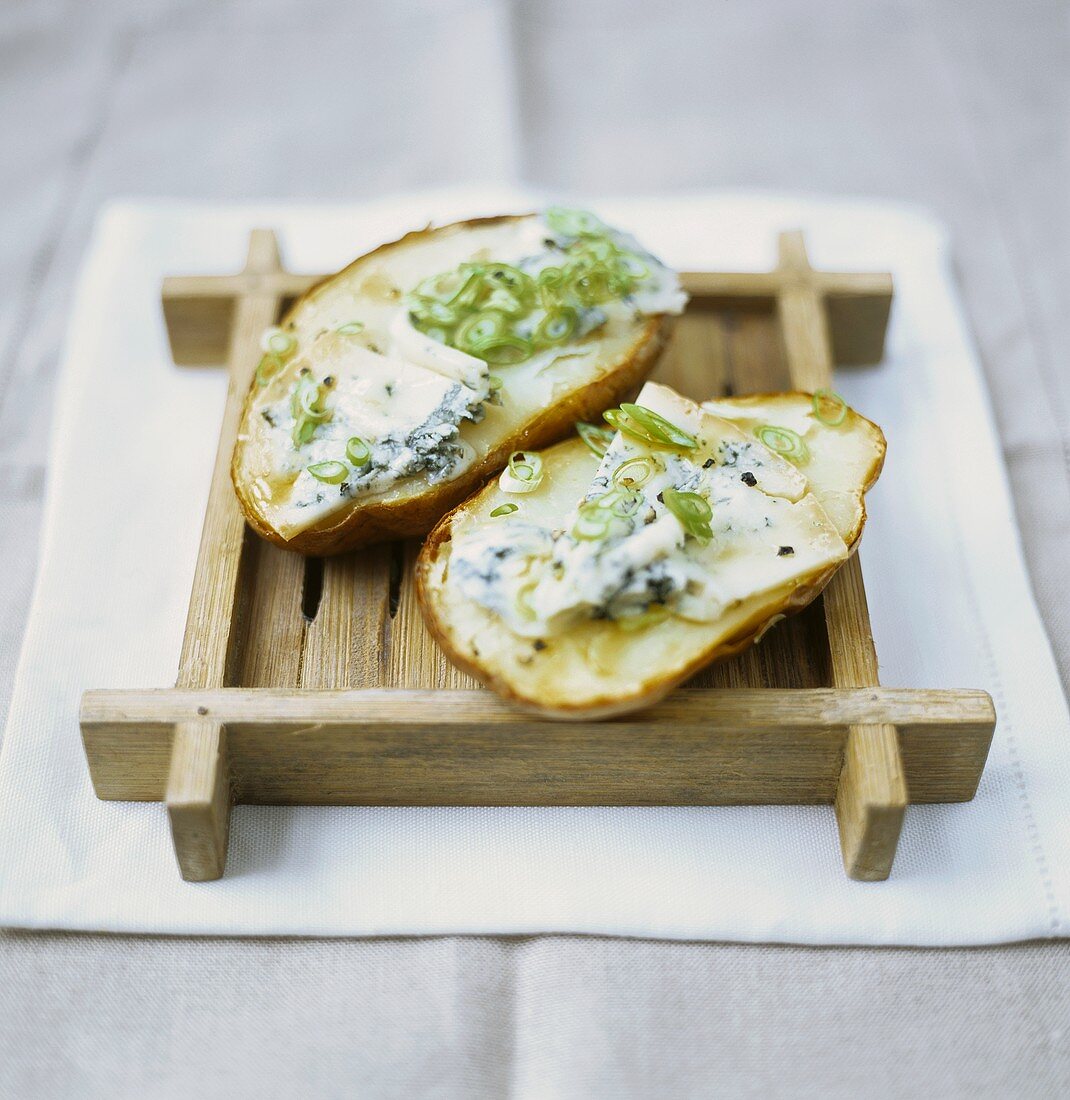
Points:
[(748, 745), (254, 717)]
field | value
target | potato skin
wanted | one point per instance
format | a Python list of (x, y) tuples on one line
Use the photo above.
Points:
[(372, 521), (637, 696), (633, 696)]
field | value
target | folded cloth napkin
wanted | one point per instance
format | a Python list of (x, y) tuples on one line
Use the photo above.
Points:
[(132, 451)]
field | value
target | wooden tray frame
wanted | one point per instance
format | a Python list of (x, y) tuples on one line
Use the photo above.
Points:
[(282, 697)]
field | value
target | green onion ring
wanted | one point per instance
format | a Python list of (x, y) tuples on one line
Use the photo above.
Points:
[(595, 436), (648, 427), (479, 328), (591, 284), (693, 512), (503, 350), (308, 395), (269, 366), (350, 328), (523, 599), (592, 522), (659, 426), (523, 474), (557, 326), (829, 408), (333, 473), (620, 502), (358, 452), (526, 465), (278, 342), (504, 510), (634, 472), (518, 283), (784, 442)]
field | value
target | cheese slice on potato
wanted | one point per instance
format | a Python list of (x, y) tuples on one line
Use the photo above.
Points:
[(393, 389), (590, 596)]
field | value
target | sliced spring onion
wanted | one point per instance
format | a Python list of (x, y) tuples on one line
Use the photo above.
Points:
[(634, 472), (269, 366), (278, 342), (591, 284), (660, 427), (307, 408), (491, 310), (350, 328), (479, 328), (693, 512), (620, 502), (829, 407), (647, 426), (784, 442), (557, 326), (303, 432), (503, 350), (574, 223), (430, 311), (358, 452), (592, 522), (504, 510), (470, 289), (523, 600), (333, 473), (526, 465), (307, 398), (508, 280), (523, 474), (654, 614), (595, 436)]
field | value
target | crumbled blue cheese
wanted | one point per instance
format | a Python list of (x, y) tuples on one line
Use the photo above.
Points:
[(409, 417), (766, 530)]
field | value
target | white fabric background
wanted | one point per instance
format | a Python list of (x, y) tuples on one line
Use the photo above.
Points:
[(941, 536)]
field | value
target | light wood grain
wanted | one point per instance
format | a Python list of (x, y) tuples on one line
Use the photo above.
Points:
[(273, 630), (346, 643), (872, 795), (212, 644), (697, 747), (198, 798)]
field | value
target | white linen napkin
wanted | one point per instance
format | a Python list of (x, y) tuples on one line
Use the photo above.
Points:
[(132, 451)]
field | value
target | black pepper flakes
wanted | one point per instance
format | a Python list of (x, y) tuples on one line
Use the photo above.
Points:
[(748, 478), (538, 645), (707, 464), (785, 552)]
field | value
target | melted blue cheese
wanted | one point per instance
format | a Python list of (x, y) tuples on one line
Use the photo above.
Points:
[(767, 531), (409, 416)]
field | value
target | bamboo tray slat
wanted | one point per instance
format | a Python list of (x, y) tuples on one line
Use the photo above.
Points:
[(306, 681)]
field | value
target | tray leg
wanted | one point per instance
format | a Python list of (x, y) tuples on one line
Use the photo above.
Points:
[(871, 799), (198, 799)]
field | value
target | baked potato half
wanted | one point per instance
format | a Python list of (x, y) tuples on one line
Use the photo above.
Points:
[(393, 389), (621, 575)]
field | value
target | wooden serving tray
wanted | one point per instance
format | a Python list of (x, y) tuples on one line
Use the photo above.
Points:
[(307, 681)]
